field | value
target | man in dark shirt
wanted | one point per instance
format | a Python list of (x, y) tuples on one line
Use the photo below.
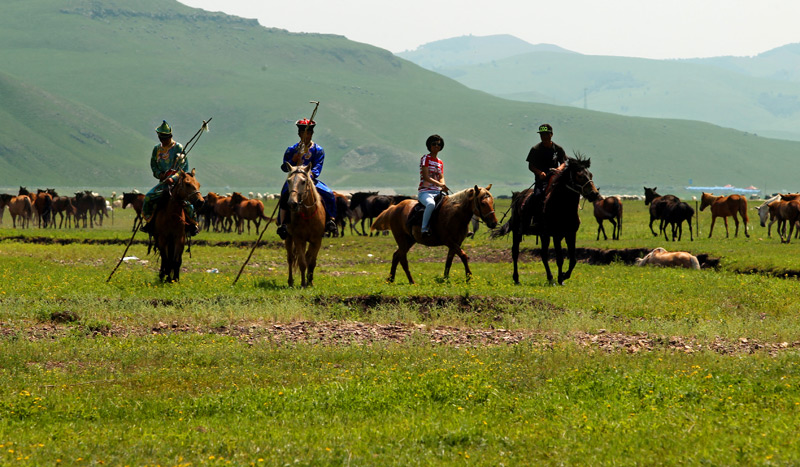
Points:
[(542, 159)]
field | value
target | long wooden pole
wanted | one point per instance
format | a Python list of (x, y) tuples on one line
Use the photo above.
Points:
[(256, 243), (123, 254)]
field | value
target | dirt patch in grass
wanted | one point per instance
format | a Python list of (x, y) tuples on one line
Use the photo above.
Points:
[(361, 333)]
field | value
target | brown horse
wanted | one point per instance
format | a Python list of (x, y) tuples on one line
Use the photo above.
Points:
[(136, 201), (247, 210), (62, 206), (725, 206), (224, 214), (449, 226), (21, 206), (43, 205), (306, 224), (608, 209), (169, 224), (560, 218)]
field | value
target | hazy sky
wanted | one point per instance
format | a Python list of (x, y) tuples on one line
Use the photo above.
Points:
[(632, 28)]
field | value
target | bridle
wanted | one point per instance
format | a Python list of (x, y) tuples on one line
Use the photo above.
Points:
[(302, 196), (478, 208), (571, 185)]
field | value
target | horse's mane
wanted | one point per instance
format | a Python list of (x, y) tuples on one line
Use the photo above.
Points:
[(577, 163), (460, 197)]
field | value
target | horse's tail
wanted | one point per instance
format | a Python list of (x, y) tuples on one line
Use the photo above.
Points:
[(383, 221), (502, 231), (743, 210)]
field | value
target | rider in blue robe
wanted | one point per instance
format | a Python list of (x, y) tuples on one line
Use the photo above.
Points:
[(314, 156)]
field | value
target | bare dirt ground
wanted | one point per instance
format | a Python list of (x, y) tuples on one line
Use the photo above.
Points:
[(359, 333)]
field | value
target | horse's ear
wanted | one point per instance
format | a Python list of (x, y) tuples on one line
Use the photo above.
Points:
[(192, 172), (476, 190), (307, 168), (587, 163), (489, 187)]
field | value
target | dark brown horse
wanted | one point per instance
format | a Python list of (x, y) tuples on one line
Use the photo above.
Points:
[(726, 206), (63, 207), (169, 224), (5, 198), (608, 209), (136, 201), (449, 228), (306, 224), (43, 205), (560, 219), (658, 208)]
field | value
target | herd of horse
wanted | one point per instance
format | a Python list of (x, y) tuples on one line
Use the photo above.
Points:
[(401, 216), (44, 205)]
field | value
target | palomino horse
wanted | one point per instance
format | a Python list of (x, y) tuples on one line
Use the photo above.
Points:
[(662, 257), (306, 224), (608, 209), (725, 206), (560, 218), (169, 228), (136, 200), (247, 210), (449, 226)]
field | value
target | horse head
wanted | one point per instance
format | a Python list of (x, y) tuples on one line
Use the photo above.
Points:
[(579, 178), (650, 194), (706, 199), (300, 187), (23, 191), (188, 188), (483, 205), (52, 192)]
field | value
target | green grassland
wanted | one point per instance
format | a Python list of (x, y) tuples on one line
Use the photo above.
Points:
[(134, 372), (85, 83)]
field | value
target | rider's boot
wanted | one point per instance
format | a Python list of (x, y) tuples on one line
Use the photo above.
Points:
[(330, 226), (282, 231)]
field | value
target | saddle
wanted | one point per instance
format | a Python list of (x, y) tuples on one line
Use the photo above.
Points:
[(415, 216)]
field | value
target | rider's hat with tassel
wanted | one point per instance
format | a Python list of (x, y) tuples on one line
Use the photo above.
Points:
[(164, 128)]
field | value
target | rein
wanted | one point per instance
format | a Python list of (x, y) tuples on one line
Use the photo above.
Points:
[(305, 193)]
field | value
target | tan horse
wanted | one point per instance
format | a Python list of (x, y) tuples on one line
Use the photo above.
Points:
[(21, 206), (726, 206), (449, 228), (247, 210), (306, 224)]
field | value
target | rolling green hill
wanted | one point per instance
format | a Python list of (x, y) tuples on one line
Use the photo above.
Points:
[(755, 94), (116, 69)]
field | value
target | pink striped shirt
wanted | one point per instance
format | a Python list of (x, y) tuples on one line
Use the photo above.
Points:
[(435, 170)]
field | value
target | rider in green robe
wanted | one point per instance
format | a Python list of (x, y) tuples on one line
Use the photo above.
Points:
[(167, 159)]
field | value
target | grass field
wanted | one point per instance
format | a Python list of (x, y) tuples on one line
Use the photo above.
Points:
[(621, 365)]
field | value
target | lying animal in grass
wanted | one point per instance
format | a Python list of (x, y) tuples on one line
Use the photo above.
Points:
[(662, 257)]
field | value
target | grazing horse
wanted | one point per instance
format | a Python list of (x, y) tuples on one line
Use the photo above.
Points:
[(675, 214), (135, 200), (247, 210), (306, 224), (169, 224), (662, 257), (725, 206), (657, 204), (560, 220), (608, 209), (449, 228)]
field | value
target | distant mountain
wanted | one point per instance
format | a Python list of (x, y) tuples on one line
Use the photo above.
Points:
[(754, 94), (85, 82), (472, 50)]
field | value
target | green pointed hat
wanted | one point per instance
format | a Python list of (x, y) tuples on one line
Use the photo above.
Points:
[(164, 129)]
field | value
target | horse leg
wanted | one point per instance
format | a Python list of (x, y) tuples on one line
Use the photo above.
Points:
[(545, 251), (614, 234), (725, 219), (177, 260), (736, 221), (570, 240), (600, 228), (311, 260), (711, 230), (290, 258), (517, 239), (465, 259)]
